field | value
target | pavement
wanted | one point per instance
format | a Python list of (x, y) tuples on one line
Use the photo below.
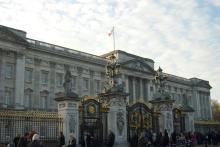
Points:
[(127, 145)]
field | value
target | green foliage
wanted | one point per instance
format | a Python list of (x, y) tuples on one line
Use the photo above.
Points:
[(216, 110)]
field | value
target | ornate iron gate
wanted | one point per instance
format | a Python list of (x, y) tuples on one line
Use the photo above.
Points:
[(91, 121), (139, 119)]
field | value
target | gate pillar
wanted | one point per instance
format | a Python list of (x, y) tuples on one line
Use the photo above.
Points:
[(117, 115), (68, 104), (68, 110)]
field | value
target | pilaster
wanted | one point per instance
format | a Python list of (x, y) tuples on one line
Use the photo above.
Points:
[(91, 87), (68, 110), (37, 80), (141, 89), (134, 91), (52, 85), (80, 80), (19, 80), (117, 119), (2, 76)]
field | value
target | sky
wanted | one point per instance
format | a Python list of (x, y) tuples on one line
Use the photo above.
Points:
[(181, 36)]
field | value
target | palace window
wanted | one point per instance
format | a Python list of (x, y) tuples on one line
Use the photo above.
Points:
[(8, 96), (59, 79), (28, 75), (9, 71), (86, 83), (73, 82), (97, 86), (169, 87), (175, 89), (44, 101), (28, 98), (151, 88), (44, 77)]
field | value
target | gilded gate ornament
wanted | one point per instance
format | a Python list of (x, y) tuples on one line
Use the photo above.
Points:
[(91, 109), (135, 120)]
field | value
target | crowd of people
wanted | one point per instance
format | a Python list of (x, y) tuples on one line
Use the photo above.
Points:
[(89, 140), (29, 139), (32, 139), (145, 139), (162, 139)]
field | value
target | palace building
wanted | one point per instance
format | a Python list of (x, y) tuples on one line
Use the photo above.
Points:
[(32, 74)]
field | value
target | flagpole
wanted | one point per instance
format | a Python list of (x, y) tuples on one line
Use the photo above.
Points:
[(113, 35)]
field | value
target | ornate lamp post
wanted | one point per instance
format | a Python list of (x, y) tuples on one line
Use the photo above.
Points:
[(115, 99), (112, 70), (162, 103)]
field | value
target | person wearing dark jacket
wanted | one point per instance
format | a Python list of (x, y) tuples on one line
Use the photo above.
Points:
[(23, 141), (134, 140), (61, 139), (35, 141), (166, 139), (72, 141), (16, 139), (111, 139)]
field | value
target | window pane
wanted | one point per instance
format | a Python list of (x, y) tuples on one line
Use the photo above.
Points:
[(8, 71), (28, 75), (27, 100), (8, 96), (59, 79), (73, 83), (97, 86), (86, 83), (44, 102), (44, 77)]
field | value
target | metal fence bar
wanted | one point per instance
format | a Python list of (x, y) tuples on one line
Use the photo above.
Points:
[(12, 123)]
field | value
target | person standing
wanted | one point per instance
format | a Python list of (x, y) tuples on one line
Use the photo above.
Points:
[(111, 139), (165, 139), (16, 139), (35, 141), (23, 141), (61, 139), (72, 141), (88, 140), (134, 140)]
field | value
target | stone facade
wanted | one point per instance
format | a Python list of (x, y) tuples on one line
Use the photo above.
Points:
[(32, 75)]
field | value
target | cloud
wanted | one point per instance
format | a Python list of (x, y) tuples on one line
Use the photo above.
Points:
[(181, 36)]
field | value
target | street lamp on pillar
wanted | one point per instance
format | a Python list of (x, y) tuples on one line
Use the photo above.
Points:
[(112, 69)]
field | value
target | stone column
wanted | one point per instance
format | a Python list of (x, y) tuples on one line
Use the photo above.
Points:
[(79, 81), (166, 121), (117, 119), (134, 89), (52, 85), (189, 122), (19, 80), (197, 98), (141, 89), (37, 82), (2, 76), (68, 110), (126, 85), (92, 83)]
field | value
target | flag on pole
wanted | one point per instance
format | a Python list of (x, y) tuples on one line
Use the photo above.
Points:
[(112, 31)]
